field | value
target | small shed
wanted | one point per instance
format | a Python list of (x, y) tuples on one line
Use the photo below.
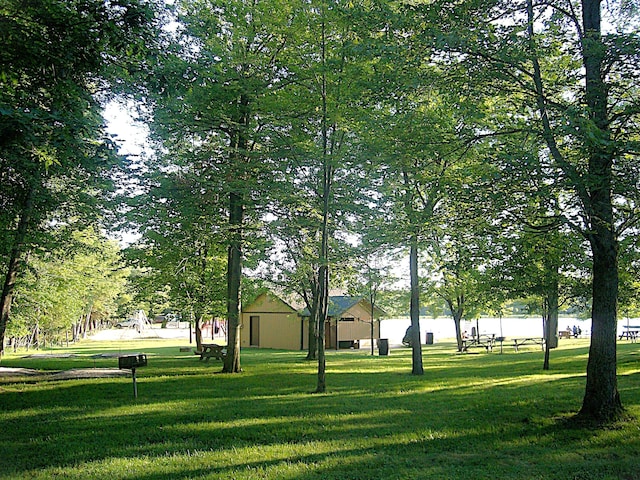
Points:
[(270, 322)]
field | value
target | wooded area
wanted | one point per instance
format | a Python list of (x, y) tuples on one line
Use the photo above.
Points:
[(302, 146)]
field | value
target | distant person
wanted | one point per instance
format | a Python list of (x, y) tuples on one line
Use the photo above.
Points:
[(575, 331)]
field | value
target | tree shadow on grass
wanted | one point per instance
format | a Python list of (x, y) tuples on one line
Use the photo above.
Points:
[(456, 422)]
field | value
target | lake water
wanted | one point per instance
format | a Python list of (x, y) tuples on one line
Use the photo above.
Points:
[(443, 328)]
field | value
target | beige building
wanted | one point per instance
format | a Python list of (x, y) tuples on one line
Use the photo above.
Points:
[(270, 322)]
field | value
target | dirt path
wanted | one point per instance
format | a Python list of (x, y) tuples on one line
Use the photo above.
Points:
[(21, 373)]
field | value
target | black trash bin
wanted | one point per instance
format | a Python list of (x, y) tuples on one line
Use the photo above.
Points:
[(383, 346), (429, 338)]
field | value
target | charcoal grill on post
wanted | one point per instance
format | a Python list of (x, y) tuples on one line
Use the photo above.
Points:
[(131, 362)]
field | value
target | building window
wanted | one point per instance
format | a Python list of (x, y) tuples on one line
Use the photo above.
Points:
[(347, 319)]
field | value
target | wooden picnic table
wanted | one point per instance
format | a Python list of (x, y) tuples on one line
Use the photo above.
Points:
[(565, 334), (529, 340), (630, 333), (212, 350), (479, 341)]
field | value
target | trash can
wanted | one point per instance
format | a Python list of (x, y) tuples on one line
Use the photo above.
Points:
[(383, 346), (429, 338)]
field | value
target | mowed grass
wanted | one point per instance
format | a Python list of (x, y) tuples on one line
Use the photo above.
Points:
[(470, 416)]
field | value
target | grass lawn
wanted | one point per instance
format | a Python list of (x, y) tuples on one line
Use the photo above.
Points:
[(470, 416)]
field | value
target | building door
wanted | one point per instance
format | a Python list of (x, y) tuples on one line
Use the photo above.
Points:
[(254, 331)]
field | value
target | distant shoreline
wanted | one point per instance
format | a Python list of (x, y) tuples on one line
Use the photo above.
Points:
[(509, 326)]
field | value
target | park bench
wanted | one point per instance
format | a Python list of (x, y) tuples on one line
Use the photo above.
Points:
[(212, 350), (529, 340)]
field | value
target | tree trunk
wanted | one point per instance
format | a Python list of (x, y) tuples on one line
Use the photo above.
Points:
[(323, 275), (323, 301), (201, 299), (551, 333), (601, 400), (456, 313), (373, 290), (14, 266), (373, 332), (35, 337), (312, 335), (87, 320), (7, 293), (546, 333), (414, 309), (550, 311), (237, 197), (198, 329), (456, 323), (234, 275)]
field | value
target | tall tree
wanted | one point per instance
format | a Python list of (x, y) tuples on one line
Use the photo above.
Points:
[(415, 151), (212, 94), (338, 91), (317, 146), (415, 130)]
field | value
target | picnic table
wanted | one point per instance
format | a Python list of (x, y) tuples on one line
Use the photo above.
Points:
[(529, 340), (630, 333), (212, 350), (565, 334), (479, 341)]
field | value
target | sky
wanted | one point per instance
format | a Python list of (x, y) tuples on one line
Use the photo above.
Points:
[(131, 139), (130, 135)]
